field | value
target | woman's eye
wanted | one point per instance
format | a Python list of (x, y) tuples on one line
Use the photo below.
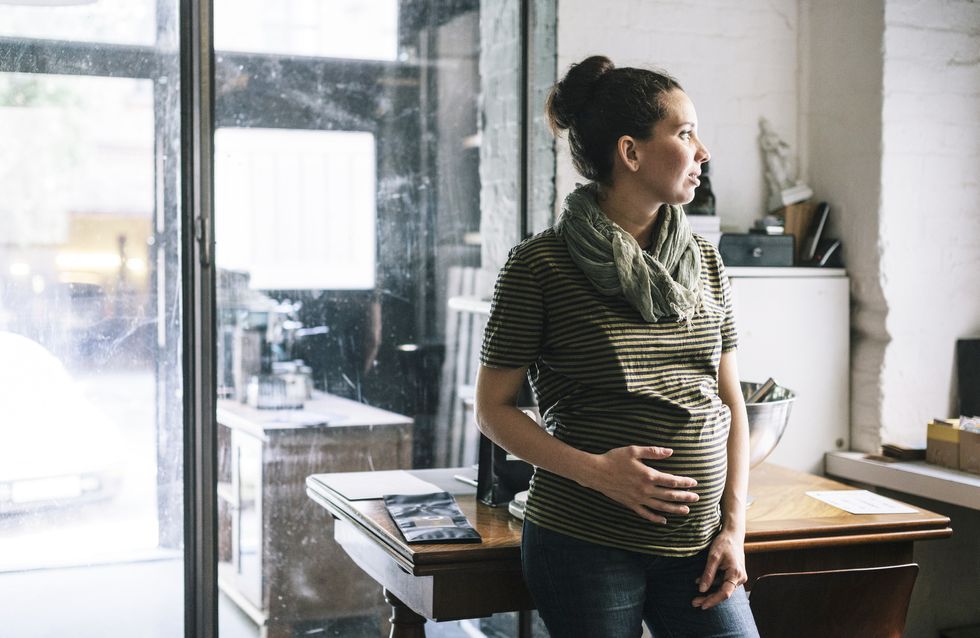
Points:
[(686, 134)]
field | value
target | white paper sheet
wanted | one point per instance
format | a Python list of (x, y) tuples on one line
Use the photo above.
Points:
[(862, 502), (359, 486)]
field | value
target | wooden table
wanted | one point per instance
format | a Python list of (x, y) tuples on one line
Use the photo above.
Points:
[(788, 531)]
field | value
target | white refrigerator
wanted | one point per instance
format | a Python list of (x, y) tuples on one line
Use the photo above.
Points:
[(794, 325)]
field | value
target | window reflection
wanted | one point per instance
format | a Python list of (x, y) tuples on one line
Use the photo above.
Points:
[(106, 21), (363, 29), (297, 208), (348, 213)]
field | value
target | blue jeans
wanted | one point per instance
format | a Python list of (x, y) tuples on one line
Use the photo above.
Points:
[(592, 591)]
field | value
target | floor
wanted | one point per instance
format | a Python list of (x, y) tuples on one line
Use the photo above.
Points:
[(144, 599)]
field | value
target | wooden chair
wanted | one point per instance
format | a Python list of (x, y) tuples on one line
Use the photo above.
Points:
[(845, 603), (456, 434)]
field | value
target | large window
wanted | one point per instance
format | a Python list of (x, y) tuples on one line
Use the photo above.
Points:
[(349, 191), (90, 381), (369, 168)]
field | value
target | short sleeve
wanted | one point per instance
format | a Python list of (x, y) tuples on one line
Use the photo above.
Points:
[(512, 338), (729, 334)]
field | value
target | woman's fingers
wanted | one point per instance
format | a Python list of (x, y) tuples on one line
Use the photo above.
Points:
[(677, 496), (667, 507), (650, 515), (673, 481), (734, 577), (651, 452), (724, 569), (651, 494), (720, 595)]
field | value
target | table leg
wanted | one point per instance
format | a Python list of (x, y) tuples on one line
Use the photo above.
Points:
[(405, 623), (523, 624)]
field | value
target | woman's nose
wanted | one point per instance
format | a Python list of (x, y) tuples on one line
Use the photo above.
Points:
[(702, 155)]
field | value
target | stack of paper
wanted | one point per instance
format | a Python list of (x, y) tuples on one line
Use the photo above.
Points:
[(708, 226)]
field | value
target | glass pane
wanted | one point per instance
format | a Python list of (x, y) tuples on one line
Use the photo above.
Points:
[(351, 200), (90, 439), (298, 207), (364, 29), (109, 21)]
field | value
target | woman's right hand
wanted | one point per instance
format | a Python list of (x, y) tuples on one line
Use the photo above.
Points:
[(621, 475)]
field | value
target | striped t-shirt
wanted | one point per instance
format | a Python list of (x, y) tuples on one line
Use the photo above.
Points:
[(605, 378)]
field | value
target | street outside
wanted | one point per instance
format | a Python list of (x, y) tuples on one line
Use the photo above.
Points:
[(121, 528)]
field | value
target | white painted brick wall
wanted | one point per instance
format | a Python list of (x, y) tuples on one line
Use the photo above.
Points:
[(841, 114), (737, 59), (930, 207)]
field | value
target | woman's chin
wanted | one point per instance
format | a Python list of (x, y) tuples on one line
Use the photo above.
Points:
[(687, 198)]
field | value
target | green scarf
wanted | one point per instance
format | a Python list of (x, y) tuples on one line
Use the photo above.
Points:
[(664, 281)]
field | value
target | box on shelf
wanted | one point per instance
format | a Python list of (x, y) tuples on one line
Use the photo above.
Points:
[(749, 249), (708, 226), (970, 450), (943, 443), (798, 220)]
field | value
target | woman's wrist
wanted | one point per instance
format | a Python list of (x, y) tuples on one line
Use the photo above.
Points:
[(584, 468), (733, 525), (733, 517)]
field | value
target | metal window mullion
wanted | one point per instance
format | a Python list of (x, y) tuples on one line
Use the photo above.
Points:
[(62, 57), (197, 313), (524, 152)]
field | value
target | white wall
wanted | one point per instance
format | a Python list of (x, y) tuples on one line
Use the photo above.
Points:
[(737, 59), (842, 122), (930, 205)]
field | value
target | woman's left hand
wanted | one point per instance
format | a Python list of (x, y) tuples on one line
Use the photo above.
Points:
[(726, 562)]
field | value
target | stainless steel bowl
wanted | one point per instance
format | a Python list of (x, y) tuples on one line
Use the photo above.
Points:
[(767, 420)]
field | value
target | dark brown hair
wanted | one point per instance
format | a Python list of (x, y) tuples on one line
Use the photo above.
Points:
[(599, 103)]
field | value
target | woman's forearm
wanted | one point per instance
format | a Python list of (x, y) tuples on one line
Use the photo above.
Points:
[(516, 432), (733, 500), (499, 418)]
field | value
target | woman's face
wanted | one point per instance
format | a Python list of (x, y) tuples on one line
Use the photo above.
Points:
[(670, 161)]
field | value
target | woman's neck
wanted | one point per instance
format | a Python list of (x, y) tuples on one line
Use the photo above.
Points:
[(630, 212)]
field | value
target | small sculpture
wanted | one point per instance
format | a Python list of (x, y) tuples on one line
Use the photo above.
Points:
[(784, 188)]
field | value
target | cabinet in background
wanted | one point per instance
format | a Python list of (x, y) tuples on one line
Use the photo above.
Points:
[(794, 325), (277, 557)]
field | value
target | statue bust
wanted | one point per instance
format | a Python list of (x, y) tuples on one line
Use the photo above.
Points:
[(784, 188)]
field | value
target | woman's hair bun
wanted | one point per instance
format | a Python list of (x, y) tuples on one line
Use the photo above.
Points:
[(571, 95), (598, 103)]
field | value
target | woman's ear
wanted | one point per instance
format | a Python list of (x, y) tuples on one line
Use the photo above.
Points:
[(626, 153)]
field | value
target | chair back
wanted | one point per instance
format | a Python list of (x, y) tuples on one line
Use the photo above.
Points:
[(457, 437), (845, 603)]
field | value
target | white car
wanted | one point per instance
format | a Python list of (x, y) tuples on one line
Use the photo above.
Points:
[(56, 447)]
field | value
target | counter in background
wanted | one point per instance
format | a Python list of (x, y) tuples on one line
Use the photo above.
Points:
[(277, 557)]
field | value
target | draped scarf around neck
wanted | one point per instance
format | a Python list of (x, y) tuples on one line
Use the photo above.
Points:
[(662, 282)]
